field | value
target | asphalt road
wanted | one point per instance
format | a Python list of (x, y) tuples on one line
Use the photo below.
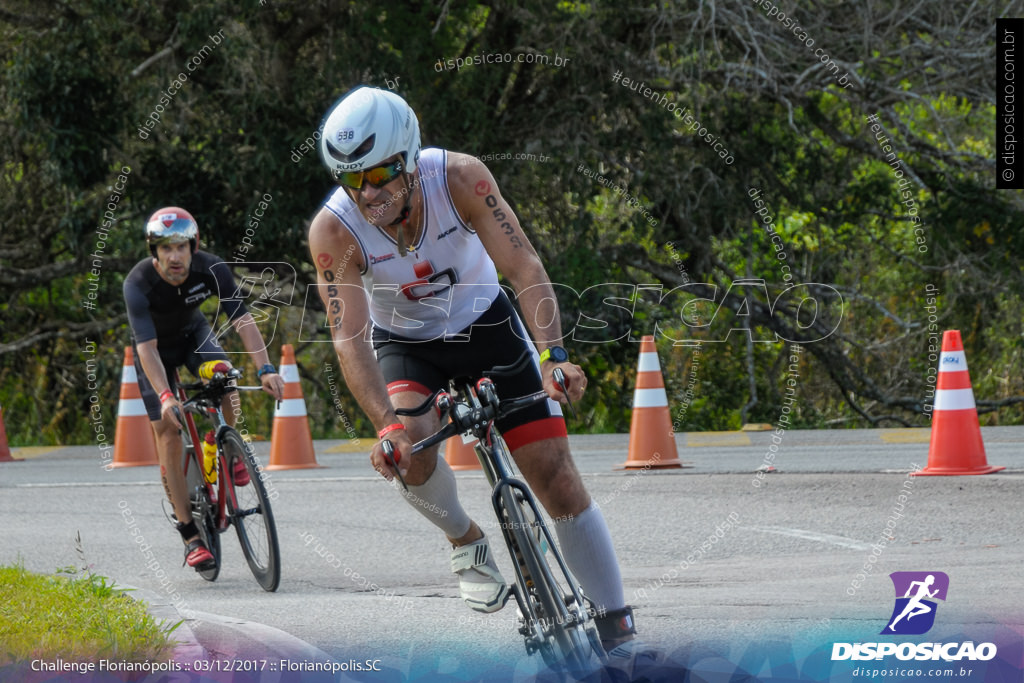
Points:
[(782, 570)]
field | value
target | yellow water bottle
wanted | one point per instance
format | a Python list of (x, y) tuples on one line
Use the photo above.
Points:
[(210, 367), (210, 458)]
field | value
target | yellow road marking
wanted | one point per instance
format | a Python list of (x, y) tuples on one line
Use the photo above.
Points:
[(363, 446), (23, 452), (911, 435), (717, 439)]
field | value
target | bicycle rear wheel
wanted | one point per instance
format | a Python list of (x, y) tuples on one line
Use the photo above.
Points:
[(204, 513), (563, 641), (249, 509)]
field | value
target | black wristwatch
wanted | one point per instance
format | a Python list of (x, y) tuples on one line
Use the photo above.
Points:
[(555, 354), (267, 369)]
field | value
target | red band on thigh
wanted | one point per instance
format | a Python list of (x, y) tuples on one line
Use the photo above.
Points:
[(538, 430), (401, 385)]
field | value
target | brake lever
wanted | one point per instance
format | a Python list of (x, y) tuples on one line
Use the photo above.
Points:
[(389, 453), (562, 385), (181, 419)]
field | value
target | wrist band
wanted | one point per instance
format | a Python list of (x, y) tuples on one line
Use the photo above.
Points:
[(166, 394), (390, 428)]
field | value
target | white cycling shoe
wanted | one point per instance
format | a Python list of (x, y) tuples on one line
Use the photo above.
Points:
[(480, 582)]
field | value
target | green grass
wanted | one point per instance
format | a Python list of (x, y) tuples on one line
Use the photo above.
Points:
[(80, 618)]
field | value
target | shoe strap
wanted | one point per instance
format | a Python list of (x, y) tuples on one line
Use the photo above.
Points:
[(616, 624), (194, 546), (468, 556)]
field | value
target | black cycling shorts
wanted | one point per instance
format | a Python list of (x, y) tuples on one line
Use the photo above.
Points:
[(192, 349), (496, 338)]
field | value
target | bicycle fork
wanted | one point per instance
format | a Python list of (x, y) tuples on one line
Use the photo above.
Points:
[(511, 492), (225, 489)]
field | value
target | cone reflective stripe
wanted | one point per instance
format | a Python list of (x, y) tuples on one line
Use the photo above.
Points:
[(291, 407), (953, 390), (291, 442), (293, 404), (956, 446), (461, 456), (130, 404), (651, 442), (134, 442), (5, 451)]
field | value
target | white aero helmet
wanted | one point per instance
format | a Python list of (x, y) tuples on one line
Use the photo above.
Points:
[(365, 127)]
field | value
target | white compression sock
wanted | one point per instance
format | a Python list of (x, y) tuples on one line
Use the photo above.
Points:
[(587, 548), (438, 500)]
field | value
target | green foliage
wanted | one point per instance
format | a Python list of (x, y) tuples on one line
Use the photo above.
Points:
[(82, 79), (81, 618)]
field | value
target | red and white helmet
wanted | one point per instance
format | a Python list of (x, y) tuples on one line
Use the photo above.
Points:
[(171, 225), (367, 126)]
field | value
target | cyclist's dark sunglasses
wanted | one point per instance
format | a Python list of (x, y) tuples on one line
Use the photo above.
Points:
[(378, 176)]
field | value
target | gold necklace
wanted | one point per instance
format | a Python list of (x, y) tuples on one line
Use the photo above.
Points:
[(400, 230)]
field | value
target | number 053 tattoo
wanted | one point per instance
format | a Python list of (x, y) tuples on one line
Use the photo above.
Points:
[(334, 304), (499, 215)]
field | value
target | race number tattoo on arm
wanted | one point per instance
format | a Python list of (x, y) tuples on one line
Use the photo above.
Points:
[(333, 301), (500, 216), (332, 289)]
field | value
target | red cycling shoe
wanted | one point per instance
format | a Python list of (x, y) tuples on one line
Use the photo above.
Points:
[(240, 475), (198, 557)]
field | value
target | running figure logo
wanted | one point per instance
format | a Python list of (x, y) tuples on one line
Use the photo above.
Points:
[(914, 612)]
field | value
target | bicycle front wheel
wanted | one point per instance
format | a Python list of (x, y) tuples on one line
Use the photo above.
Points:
[(204, 513), (563, 641), (249, 508)]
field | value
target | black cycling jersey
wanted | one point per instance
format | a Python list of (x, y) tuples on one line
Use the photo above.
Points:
[(169, 313)]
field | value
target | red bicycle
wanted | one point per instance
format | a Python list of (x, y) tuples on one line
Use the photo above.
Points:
[(217, 499)]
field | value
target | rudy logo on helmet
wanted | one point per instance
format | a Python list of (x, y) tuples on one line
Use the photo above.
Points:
[(367, 126)]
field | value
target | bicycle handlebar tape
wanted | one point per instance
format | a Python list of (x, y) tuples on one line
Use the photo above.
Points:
[(134, 442), (460, 455), (652, 444), (5, 451), (291, 442), (956, 446)]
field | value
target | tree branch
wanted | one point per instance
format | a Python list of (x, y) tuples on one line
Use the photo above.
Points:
[(62, 331)]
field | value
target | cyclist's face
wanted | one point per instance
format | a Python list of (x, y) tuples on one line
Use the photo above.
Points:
[(380, 205), (173, 261)]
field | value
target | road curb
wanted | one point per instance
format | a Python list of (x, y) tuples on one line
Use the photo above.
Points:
[(267, 638), (187, 647), (247, 637)]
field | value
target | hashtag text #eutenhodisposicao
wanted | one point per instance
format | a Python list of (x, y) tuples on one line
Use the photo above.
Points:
[(681, 113)]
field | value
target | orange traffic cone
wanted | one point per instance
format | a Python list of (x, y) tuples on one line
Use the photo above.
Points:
[(651, 443), (134, 442), (291, 442), (5, 452), (461, 456), (956, 446)]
